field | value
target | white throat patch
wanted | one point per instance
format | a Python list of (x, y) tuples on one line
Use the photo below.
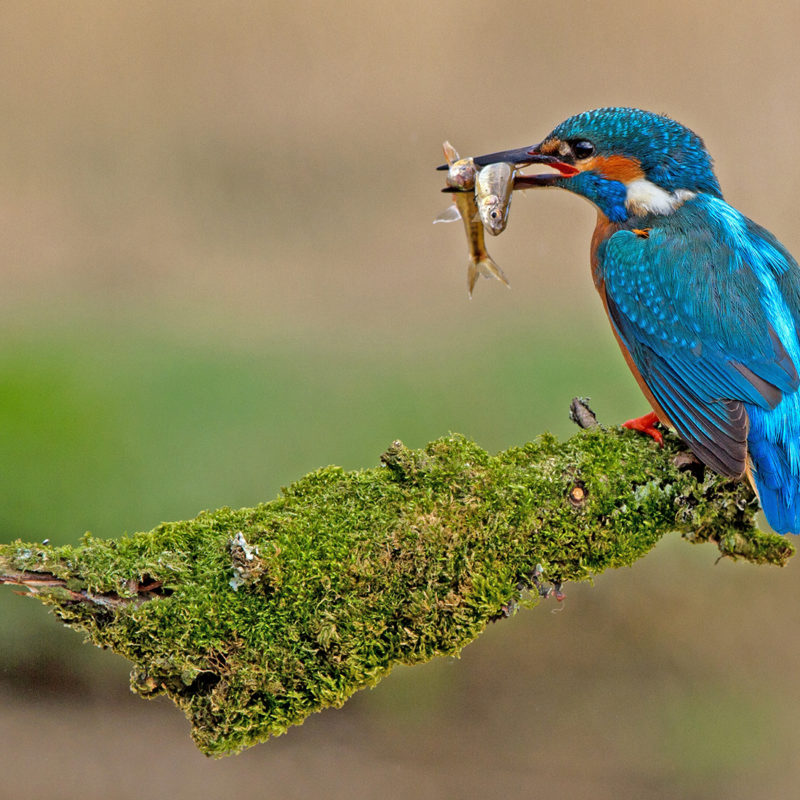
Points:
[(645, 197)]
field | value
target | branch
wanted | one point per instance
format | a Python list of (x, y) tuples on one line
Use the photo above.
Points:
[(252, 619)]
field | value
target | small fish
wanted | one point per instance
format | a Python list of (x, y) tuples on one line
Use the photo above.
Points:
[(466, 207), (493, 186)]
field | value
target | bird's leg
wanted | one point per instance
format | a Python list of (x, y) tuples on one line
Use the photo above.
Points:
[(646, 424)]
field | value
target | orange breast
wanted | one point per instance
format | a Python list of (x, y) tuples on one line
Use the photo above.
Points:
[(602, 231)]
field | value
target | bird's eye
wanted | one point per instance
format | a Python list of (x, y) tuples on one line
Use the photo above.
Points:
[(582, 149)]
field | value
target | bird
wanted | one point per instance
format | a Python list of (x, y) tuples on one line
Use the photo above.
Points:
[(704, 302)]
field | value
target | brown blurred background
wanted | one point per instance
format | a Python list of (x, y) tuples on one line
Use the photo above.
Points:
[(219, 271)]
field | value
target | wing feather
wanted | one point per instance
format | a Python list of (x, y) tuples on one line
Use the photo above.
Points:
[(688, 303)]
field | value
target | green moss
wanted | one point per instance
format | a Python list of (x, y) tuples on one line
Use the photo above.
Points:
[(251, 619)]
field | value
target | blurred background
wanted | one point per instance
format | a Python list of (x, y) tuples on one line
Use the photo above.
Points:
[(219, 272)]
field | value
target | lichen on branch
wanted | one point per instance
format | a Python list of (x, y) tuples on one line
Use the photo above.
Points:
[(252, 619)]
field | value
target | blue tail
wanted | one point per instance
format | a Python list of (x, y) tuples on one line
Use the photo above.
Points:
[(774, 446)]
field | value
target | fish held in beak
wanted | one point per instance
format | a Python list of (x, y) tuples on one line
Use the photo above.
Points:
[(461, 180), (493, 188)]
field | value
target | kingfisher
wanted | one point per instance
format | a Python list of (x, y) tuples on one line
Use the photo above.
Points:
[(704, 303)]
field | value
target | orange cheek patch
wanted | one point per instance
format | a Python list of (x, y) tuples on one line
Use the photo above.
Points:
[(615, 168)]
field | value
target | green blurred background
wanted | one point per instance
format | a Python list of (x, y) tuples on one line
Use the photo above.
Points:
[(219, 272)]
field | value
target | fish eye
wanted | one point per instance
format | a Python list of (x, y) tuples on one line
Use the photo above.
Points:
[(582, 149)]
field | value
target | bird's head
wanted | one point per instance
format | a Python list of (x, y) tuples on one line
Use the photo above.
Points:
[(628, 162)]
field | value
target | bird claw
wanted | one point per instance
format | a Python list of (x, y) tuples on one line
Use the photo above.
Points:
[(646, 425)]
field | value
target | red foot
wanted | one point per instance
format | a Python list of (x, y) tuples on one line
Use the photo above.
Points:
[(645, 424)]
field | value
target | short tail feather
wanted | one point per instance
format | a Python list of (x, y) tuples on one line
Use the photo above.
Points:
[(775, 453)]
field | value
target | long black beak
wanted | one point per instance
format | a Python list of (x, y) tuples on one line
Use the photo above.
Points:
[(522, 157), (519, 157)]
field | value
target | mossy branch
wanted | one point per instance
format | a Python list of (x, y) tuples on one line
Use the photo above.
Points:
[(252, 619)]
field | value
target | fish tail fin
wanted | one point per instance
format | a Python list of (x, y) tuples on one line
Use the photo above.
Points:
[(489, 269), (484, 266), (450, 153), (774, 448)]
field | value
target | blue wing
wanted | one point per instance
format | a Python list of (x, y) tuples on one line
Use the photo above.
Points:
[(708, 305)]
